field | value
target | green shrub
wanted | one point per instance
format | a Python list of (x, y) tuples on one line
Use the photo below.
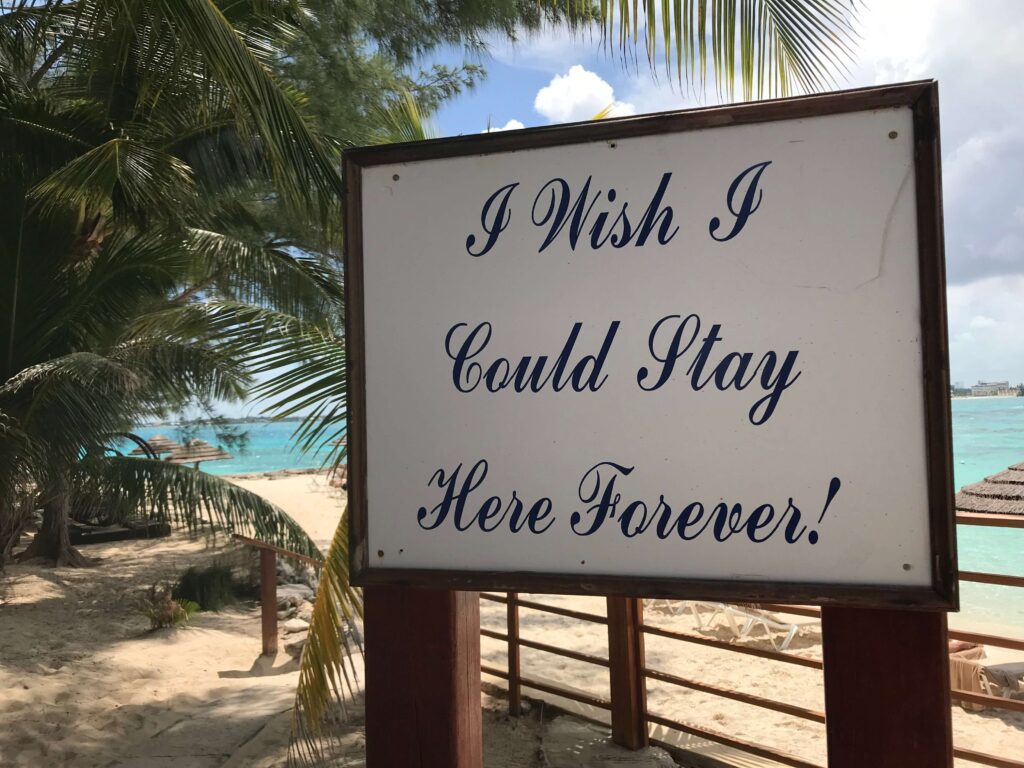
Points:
[(164, 611), (211, 588)]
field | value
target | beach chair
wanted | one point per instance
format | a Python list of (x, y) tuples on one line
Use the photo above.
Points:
[(968, 673), (742, 620), (1004, 680), (664, 605), (771, 623)]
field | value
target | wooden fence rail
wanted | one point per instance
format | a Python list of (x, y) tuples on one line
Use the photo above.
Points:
[(627, 670), (631, 720)]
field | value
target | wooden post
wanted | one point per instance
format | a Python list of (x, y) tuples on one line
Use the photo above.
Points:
[(514, 687), (422, 678), (628, 685), (268, 600), (887, 701)]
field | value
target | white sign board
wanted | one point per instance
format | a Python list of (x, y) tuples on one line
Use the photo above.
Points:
[(699, 354)]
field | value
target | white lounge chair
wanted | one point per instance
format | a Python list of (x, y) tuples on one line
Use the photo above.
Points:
[(742, 620)]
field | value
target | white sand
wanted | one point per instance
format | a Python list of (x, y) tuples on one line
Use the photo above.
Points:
[(994, 731), (84, 683)]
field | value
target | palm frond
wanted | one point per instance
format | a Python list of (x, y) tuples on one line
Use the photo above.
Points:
[(327, 672), (158, 490), (401, 121), (301, 164), (772, 47), (308, 372), (122, 177), (176, 370), (263, 273)]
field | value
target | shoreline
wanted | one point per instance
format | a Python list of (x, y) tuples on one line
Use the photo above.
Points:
[(985, 397)]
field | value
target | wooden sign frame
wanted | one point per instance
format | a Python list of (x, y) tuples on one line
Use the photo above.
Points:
[(922, 98)]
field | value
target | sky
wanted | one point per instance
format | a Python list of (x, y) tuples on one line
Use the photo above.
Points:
[(974, 48)]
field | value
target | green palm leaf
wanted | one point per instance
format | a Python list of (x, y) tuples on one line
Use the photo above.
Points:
[(327, 658), (771, 46), (300, 163), (121, 176), (158, 490)]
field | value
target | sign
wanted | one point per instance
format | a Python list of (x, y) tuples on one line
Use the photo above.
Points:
[(697, 354)]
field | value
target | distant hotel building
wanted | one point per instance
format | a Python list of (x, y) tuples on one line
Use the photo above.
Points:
[(989, 388)]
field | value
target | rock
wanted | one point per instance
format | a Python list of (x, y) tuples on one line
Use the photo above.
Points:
[(293, 644), (294, 594), (285, 572), (285, 611), (295, 625), (303, 574), (570, 743), (354, 633), (305, 611)]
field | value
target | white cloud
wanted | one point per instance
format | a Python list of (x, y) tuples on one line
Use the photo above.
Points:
[(986, 330), (980, 321), (511, 125), (973, 49), (664, 94), (552, 47), (578, 95)]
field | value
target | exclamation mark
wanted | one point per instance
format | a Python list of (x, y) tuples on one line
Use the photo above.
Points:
[(833, 489)]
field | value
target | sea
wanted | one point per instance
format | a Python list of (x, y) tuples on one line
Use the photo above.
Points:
[(988, 436)]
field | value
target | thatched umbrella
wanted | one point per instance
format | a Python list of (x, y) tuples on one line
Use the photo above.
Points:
[(195, 451), (159, 444), (999, 494)]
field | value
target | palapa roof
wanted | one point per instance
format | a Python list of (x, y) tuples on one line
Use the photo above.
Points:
[(999, 494), (197, 450), (159, 444)]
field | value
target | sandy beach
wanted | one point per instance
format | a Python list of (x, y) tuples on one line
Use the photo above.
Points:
[(85, 683)]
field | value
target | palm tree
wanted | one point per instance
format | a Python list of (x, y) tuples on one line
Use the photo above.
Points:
[(142, 142)]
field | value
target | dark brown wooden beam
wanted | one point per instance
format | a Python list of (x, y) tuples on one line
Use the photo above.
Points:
[(268, 600), (514, 688), (422, 678), (626, 667), (887, 699)]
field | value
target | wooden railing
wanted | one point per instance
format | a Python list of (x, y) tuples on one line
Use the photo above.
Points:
[(268, 586), (628, 672), (626, 665)]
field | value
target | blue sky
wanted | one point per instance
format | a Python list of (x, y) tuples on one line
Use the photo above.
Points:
[(975, 48)]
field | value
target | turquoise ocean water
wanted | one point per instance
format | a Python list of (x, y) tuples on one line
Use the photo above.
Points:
[(270, 447), (988, 436)]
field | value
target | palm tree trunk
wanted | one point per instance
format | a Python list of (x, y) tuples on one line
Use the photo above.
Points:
[(13, 520), (53, 541)]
